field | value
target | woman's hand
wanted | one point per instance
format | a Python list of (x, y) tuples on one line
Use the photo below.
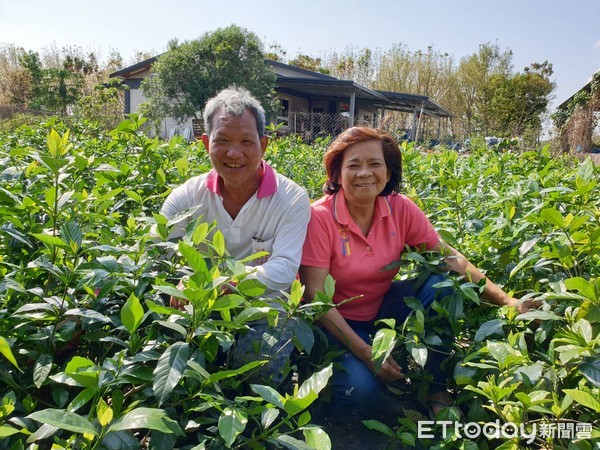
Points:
[(390, 369)]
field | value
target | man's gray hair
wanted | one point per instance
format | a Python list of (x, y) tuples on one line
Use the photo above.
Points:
[(234, 101)]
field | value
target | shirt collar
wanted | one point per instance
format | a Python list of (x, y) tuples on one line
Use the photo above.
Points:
[(267, 187), (342, 215)]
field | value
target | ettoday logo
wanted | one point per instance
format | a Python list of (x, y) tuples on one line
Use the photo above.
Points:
[(508, 430)]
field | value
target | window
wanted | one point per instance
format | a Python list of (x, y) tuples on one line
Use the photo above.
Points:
[(284, 117)]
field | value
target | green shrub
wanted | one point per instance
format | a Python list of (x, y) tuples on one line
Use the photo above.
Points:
[(91, 349)]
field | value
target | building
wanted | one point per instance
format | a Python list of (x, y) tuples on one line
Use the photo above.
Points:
[(312, 104)]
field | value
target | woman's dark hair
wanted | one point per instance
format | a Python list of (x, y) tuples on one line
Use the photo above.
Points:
[(335, 155)]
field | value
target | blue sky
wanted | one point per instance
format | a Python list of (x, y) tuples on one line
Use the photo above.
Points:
[(566, 33)]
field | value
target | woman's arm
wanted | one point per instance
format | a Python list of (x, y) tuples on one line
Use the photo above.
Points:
[(313, 279), (458, 263)]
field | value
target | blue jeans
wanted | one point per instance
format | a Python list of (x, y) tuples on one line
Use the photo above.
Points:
[(354, 385)]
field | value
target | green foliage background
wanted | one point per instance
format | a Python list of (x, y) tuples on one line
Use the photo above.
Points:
[(91, 350)]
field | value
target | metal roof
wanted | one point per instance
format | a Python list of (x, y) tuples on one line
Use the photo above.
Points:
[(306, 83)]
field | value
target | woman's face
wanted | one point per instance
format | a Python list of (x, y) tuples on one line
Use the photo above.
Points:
[(364, 173)]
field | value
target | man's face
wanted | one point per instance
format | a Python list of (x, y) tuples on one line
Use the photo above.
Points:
[(236, 150)]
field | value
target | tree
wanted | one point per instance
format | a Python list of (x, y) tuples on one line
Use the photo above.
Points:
[(519, 102), (188, 74), (309, 63), (477, 78)]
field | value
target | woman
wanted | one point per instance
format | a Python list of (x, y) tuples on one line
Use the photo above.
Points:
[(360, 226)]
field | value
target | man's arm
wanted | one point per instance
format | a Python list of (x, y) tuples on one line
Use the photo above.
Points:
[(280, 270)]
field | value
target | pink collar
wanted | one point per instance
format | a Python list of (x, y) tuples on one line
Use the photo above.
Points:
[(342, 215), (268, 182)]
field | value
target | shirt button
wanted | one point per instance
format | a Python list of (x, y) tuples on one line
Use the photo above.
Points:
[(369, 248)]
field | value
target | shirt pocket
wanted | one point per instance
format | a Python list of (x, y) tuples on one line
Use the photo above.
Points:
[(260, 245)]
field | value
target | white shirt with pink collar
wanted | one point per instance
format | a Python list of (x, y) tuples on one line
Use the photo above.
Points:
[(275, 220)]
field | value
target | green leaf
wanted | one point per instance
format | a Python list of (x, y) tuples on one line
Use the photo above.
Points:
[(590, 368), (134, 196), (383, 344), (104, 413), (414, 303), (7, 352), (291, 443), (169, 370), (499, 350), (533, 257), (231, 423), (294, 405), (553, 216), (303, 334), (50, 196), (253, 256), (268, 394), (228, 301), (316, 437), (200, 233), (64, 420), (468, 292), (89, 315), (160, 309), (538, 315), (41, 370), (329, 286), (296, 292), (584, 398), (378, 426), (54, 241), (54, 164), (6, 431), (193, 257), (419, 326), (268, 416), (419, 353), (171, 291), (173, 326), (584, 329), (70, 232), (54, 143), (217, 376), (251, 314), (219, 243), (583, 286), (316, 382), (586, 170), (148, 418), (132, 313), (82, 398), (488, 328), (83, 371), (304, 419), (251, 287)]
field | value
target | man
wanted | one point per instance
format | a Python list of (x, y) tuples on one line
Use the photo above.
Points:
[(255, 208)]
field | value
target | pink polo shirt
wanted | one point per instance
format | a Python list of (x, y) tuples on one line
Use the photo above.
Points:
[(356, 262)]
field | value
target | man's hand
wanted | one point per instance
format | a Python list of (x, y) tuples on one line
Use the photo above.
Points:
[(524, 306), (178, 303)]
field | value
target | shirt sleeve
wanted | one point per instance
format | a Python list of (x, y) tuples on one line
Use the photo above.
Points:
[(317, 249), (281, 268), (419, 230)]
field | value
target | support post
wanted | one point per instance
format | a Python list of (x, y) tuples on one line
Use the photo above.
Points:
[(352, 107)]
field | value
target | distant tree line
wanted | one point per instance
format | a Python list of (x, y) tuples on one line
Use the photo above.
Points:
[(482, 90), (62, 81)]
